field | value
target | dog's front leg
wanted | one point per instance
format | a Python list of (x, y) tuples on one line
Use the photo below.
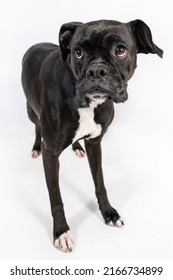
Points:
[(62, 236), (110, 215)]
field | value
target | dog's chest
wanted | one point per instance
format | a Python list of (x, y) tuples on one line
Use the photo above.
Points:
[(87, 126)]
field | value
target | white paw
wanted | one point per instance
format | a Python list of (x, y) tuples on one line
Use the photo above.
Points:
[(35, 154), (119, 223), (79, 153), (65, 242)]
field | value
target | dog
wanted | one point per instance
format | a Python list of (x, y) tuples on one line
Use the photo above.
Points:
[(70, 91)]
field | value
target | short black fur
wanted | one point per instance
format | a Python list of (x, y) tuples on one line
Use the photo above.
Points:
[(59, 86)]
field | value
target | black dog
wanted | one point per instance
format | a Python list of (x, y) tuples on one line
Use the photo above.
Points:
[(70, 92)]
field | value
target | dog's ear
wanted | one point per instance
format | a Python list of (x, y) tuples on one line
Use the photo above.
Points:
[(143, 38), (67, 30)]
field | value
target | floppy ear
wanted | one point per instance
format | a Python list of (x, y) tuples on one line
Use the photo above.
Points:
[(143, 38), (65, 35)]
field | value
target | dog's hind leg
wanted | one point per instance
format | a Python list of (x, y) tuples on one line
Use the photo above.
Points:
[(36, 150), (79, 151)]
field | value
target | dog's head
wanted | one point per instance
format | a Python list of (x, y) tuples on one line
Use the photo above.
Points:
[(102, 56)]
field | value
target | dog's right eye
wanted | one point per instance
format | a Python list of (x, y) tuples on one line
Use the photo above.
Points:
[(79, 53)]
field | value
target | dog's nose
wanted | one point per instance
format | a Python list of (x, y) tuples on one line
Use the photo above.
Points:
[(96, 71)]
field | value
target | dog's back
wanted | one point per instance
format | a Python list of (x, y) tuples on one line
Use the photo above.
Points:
[(32, 63)]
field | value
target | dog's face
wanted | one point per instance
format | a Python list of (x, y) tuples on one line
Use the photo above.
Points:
[(102, 56)]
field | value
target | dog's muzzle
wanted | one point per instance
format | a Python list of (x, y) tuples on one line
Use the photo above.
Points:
[(100, 84)]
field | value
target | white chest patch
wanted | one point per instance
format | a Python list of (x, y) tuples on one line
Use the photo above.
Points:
[(87, 125)]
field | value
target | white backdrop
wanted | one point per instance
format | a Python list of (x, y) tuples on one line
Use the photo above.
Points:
[(137, 150)]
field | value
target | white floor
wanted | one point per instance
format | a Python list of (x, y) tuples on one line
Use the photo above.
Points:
[(137, 160)]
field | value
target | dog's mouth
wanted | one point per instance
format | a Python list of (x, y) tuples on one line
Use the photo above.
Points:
[(97, 95), (96, 98)]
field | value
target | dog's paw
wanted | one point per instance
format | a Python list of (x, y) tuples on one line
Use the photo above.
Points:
[(35, 153), (119, 223), (112, 218), (65, 242), (80, 153)]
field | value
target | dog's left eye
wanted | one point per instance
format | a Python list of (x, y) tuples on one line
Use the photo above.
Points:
[(79, 53), (121, 51)]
